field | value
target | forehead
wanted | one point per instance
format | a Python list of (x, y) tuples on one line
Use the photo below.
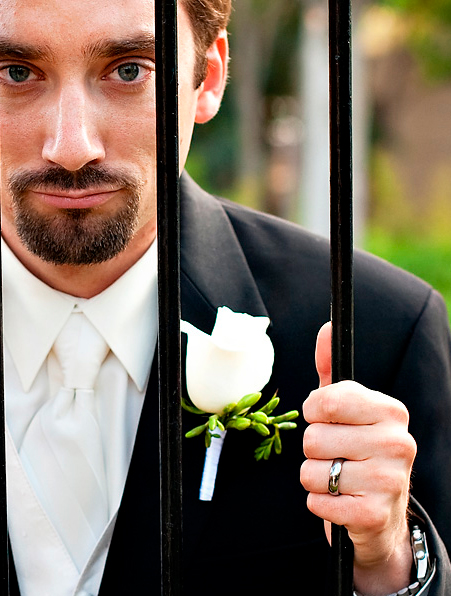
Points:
[(68, 24), (68, 16)]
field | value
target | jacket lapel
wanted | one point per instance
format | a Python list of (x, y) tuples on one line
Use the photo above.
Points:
[(214, 270), (214, 273)]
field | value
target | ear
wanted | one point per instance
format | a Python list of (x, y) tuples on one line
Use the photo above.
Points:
[(212, 89)]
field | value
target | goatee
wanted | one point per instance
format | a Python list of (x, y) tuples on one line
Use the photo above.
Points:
[(75, 236)]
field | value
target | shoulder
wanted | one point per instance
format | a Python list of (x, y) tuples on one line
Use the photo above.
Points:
[(281, 243), (290, 262)]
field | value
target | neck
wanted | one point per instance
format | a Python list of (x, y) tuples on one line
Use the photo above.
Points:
[(83, 281)]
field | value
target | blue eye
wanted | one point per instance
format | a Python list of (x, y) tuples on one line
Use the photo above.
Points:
[(19, 74), (128, 72)]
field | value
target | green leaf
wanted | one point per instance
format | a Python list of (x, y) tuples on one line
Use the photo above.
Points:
[(196, 431), (277, 444), (268, 451), (207, 439), (190, 407)]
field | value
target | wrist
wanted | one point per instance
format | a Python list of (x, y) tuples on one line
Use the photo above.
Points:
[(387, 573), (423, 570)]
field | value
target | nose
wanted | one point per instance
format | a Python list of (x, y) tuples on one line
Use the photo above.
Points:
[(72, 140)]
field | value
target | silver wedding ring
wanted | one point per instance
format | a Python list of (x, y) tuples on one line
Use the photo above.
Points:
[(334, 476)]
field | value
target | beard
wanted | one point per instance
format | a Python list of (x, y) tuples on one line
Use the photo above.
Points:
[(75, 236)]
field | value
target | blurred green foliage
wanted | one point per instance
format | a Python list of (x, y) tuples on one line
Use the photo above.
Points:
[(425, 257), (414, 236), (430, 33)]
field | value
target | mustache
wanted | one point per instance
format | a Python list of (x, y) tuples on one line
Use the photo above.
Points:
[(58, 178)]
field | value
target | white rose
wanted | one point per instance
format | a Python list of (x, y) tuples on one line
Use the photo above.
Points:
[(235, 360)]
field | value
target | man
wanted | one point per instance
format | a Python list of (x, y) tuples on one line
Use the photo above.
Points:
[(78, 208)]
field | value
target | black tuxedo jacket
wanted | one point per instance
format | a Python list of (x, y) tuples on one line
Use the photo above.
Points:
[(257, 535)]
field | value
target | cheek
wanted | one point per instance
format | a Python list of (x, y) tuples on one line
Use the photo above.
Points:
[(187, 113), (18, 139), (128, 131)]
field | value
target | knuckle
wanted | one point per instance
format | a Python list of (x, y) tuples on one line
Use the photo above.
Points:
[(305, 475), (393, 483), (398, 412), (412, 446), (330, 402), (311, 504), (400, 445), (310, 441)]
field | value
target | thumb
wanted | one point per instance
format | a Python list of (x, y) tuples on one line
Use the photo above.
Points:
[(323, 355)]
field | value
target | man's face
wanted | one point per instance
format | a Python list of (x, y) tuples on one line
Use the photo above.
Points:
[(77, 117)]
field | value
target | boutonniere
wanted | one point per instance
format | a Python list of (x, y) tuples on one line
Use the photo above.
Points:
[(225, 372)]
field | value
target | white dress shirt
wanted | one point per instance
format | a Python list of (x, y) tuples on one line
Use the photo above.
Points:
[(125, 314)]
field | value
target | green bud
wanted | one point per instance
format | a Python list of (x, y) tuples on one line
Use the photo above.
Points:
[(277, 444), (285, 417), (239, 423), (196, 431), (259, 417), (213, 422), (287, 425), (247, 402), (220, 425), (261, 429), (229, 408), (271, 405)]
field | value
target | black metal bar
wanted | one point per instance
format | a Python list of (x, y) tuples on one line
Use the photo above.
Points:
[(169, 297), (341, 233), (4, 554)]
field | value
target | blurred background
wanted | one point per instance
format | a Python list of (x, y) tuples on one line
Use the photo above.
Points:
[(269, 149)]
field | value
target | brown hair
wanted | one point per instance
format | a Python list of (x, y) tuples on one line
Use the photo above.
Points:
[(207, 18)]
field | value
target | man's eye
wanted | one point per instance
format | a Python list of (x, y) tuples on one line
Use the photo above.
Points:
[(19, 74), (129, 72)]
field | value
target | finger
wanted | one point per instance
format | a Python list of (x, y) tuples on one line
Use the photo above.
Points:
[(315, 477), (328, 441), (358, 443), (323, 355), (348, 402), (357, 478), (346, 510)]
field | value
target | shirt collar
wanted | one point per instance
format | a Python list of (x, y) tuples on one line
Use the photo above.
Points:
[(125, 314)]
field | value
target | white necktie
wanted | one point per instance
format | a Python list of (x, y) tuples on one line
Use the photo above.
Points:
[(62, 450)]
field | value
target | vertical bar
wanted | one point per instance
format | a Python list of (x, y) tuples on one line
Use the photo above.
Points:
[(4, 554), (341, 227), (169, 296)]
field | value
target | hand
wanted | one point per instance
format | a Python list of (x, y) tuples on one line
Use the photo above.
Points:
[(369, 430)]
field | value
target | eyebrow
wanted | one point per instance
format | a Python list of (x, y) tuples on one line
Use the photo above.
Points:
[(107, 48), (23, 51), (111, 48)]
